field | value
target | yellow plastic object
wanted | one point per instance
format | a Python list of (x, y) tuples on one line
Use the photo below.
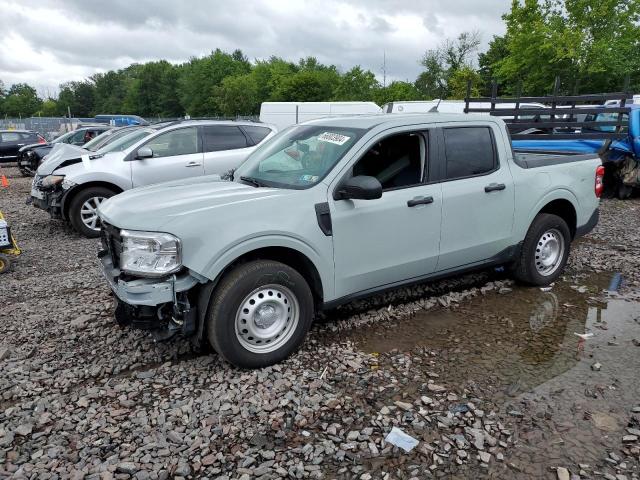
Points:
[(14, 249)]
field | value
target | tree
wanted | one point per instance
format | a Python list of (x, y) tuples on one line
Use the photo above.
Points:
[(154, 91), (459, 80), (488, 62), (356, 84), (396, 92), (78, 97), (201, 76), (238, 95), (49, 108), (587, 43), (21, 100), (443, 61)]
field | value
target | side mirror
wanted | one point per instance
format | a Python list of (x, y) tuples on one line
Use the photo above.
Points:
[(144, 152), (361, 187)]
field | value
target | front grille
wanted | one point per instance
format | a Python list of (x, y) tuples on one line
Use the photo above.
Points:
[(111, 242)]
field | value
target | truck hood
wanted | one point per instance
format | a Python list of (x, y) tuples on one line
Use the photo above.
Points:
[(155, 207), (60, 152)]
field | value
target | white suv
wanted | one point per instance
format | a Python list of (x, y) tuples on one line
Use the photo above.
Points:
[(71, 184)]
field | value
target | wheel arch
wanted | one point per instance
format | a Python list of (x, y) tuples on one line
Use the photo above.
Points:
[(561, 203), (71, 194)]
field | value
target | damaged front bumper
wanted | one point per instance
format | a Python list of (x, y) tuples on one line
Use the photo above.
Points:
[(160, 305), (49, 199)]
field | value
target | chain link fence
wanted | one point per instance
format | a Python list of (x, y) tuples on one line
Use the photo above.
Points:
[(48, 127)]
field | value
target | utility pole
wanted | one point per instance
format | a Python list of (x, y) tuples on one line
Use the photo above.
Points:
[(384, 69)]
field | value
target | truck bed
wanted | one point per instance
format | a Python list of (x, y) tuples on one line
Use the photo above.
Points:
[(528, 159)]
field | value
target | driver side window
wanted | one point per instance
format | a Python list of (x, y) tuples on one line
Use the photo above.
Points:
[(397, 161), (183, 141)]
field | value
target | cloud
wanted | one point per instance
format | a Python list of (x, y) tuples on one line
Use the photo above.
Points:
[(46, 42)]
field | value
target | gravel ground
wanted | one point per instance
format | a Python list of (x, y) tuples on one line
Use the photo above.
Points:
[(82, 398)]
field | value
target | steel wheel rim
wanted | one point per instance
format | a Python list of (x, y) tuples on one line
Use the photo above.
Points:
[(89, 212), (549, 252), (267, 318)]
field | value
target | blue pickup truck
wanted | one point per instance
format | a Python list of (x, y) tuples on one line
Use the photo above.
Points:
[(621, 157)]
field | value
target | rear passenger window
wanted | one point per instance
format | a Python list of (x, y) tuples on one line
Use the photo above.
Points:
[(257, 134), (223, 137), (469, 151)]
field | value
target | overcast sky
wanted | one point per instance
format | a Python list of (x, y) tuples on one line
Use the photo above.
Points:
[(46, 42)]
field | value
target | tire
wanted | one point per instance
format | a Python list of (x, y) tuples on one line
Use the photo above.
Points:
[(79, 210), (283, 298), (548, 235), (624, 191), (6, 264)]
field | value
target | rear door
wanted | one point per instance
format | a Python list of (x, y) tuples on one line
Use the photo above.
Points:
[(477, 196), (225, 147), (176, 154)]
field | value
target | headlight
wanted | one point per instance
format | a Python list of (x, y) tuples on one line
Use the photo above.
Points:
[(150, 254), (52, 180)]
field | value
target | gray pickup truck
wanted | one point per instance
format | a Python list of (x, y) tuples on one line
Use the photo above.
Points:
[(336, 209)]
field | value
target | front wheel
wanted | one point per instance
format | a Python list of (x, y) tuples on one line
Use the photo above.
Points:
[(83, 210), (545, 251), (259, 314)]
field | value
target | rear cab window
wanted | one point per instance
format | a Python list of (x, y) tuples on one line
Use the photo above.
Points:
[(469, 152)]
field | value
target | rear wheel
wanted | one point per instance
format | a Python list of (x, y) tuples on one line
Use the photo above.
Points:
[(83, 210), (259, 314), (545, 250)]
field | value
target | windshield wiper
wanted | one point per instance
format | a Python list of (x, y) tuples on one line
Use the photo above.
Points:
[(253, 181)]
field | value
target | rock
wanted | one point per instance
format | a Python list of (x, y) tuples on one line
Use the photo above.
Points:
[(432, 387), (461, 454), (563, 473), (81, 322), (182, 469), (596, 367), (127, 467), (630, 438), (485, 457), (208, 460), (353, 435), (5, 353), (24, 429), (385, 411), (403, 406)]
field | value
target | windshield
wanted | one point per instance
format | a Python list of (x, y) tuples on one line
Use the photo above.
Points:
[(95, 143), (299, 157), (126, 141), (608, 117), (63, 137)]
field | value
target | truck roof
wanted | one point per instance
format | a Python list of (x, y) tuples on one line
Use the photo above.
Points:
[(397, 119)]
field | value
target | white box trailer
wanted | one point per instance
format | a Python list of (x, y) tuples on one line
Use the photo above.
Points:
[(285, 114), (446, 106)]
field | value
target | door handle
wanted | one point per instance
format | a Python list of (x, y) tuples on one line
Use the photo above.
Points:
[(493, 187), (193, 164), (419, 201)]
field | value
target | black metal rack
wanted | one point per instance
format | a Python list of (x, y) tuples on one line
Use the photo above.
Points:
[(557, 117)]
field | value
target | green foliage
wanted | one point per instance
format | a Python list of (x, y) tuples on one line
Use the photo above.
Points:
[(201, 77), (396, 92), (238, 95), (458, 83), (49, 108), (442, 63), (356, 85), (78, 96), (21, 100), (589, 44)]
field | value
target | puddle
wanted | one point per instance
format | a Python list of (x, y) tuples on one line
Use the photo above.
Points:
[(520, 350)]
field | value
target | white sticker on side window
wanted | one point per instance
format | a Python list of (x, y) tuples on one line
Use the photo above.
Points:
[(335, 138)]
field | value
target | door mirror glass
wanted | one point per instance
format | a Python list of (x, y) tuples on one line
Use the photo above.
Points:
[(144, 152), (361, 187)]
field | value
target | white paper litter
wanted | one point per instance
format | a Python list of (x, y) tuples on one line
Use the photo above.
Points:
[(584, 336), (400, 439)]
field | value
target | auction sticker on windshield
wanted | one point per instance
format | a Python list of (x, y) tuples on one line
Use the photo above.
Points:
[(334, 138)]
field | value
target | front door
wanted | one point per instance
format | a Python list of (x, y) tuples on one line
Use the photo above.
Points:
[(477, 198), (176, 155), (395, 238)]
